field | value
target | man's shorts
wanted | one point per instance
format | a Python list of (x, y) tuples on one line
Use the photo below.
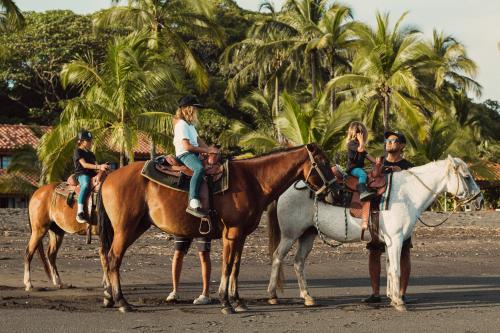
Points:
[(380, 246), (183, 243)]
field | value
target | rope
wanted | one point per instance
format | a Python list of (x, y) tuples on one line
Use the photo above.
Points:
[(316, 224), (460, 204)]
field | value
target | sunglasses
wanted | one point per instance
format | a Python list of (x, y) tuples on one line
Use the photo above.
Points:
[(391, 140)]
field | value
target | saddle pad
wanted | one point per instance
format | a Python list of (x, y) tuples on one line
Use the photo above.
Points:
[(182, 183), (64, 189)]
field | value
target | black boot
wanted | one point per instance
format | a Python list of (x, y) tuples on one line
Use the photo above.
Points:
[(364, 193)]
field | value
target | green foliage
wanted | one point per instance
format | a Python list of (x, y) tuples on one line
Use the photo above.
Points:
[(30, 89), (11, 17), (127, 95), (270, 79)]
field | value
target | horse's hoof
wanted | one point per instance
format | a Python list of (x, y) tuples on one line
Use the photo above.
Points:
[(227, 310), (401, 307), (28, 287), (273, 301), (241, 308), (126, 308), (309, 302), (108, 303)]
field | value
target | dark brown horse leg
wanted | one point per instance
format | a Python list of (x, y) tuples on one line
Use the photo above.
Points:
[(228, 255), (108, 297), (240, 305), (55, 241), (37, 234), (121, 241)]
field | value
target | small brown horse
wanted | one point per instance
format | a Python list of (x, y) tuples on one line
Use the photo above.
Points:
[(49, 212), (131, 203)]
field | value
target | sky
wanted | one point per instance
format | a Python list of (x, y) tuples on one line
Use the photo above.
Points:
[(474, 23)]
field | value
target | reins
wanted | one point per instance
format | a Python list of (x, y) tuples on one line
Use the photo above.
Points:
[(316, 224), (460, 203)]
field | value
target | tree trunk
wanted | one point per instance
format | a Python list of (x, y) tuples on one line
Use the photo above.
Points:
[(152, 151), (313, 74), (122, 158), (386, 111), (276, 96), (332, 92), (277, 108)]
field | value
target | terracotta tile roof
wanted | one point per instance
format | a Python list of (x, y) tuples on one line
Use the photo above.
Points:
[(13, 137), (494, 169), (143, 147), (30, 178)]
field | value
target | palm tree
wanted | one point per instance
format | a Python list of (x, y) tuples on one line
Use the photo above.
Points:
[(333, 40), (282, 45), (166, 22), (451, 65), (119, 99), (384, 71), (299, 124), (10, 16)]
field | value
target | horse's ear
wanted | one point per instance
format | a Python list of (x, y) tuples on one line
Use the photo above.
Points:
[(312, 147), (452, 160)]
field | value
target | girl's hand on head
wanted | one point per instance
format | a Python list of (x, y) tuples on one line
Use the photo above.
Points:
[(360, 137)]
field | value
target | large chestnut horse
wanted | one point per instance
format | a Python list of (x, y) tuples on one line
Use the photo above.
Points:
[(129, 203)]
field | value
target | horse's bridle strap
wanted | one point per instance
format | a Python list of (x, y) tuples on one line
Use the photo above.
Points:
[(326, 183)]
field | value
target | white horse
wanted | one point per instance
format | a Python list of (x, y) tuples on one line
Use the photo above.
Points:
[(413, 191)]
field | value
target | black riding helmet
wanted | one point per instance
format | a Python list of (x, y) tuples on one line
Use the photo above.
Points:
[(84, 135), (190, 100)]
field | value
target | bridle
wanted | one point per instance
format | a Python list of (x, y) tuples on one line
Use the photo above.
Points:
[(461, 202), (314, 166)]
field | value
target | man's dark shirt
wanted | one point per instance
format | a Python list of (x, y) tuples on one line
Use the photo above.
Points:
[(88, 157), (402, 164)]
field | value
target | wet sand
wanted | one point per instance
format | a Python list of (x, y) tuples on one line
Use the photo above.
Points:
[(455, 285)]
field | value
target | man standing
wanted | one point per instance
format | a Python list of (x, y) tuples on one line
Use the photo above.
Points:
[(395, 143), (182, 245)]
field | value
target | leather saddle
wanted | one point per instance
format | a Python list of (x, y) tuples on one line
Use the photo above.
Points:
[(72, 184), (170, 165), (348, 196), (70, 189)]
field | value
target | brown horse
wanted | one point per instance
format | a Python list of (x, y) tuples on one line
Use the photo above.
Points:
[(131, 203), (49, 212)]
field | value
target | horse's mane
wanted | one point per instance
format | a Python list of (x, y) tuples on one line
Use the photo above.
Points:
[(272, 152)]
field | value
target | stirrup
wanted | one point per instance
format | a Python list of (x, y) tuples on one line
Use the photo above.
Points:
[(209, 225)]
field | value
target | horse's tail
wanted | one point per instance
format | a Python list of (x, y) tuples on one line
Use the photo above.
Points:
[(274, 233), (41, 252), (104, 224)]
